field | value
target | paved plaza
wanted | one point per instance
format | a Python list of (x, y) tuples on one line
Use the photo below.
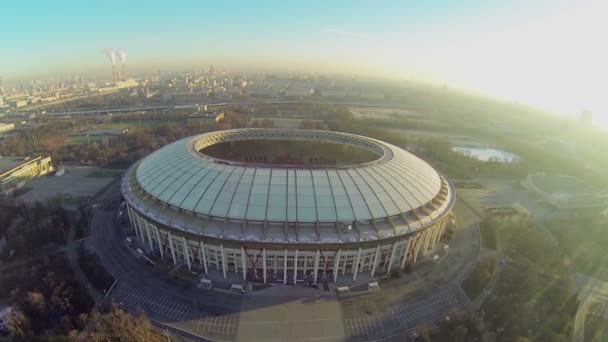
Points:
[(429, 308), (156, 306), (218, 325), (77, 182)]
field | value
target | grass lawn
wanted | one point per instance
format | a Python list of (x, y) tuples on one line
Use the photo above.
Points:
[(134, 124), (80, 140), (55, 143)]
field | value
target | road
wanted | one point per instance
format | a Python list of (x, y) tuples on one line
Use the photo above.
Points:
[(72, 256), (216, 104)]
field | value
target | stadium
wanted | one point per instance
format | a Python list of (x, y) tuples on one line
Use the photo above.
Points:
[(287, 205)]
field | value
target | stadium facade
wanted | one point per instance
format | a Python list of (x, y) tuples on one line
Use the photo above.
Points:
[(287, 223)]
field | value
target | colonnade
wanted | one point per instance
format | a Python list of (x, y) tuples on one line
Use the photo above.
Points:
[(271, 264)]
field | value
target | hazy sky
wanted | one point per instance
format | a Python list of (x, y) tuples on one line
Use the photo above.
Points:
[(552, 54)]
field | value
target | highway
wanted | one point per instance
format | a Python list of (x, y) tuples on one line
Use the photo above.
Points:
[(211, 104)]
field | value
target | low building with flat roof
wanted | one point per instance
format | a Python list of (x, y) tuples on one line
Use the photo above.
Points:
[(205, 116), (15, 171), (6, 127)]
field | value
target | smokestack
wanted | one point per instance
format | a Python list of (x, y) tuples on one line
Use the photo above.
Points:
[(112, 56), (122, 56)]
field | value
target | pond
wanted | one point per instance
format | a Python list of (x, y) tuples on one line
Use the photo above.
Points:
[(487, 154)]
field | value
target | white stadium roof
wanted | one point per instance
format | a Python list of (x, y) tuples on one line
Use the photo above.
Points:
[(178, 179)]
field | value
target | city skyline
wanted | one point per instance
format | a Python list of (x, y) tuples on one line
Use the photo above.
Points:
[(538, 53)]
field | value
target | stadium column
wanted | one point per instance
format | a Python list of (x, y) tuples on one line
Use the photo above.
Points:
[(141, 225), (130, 214), (429, 245), (316, 266), (132, 219), (244, 263), (418, 243), (357, 264), (137, 232), (390, 261), (186, 254), (263, 264), (138, 228), (284, 266), (407, 249), (171, 247), (427, 241), (147, 226), (223, 261), (336, 265), (444, 223), (203, 256), (160, 245), (440, 233), (422, 243), (435, 233), (441, 228), (295, 268), (375, 260)]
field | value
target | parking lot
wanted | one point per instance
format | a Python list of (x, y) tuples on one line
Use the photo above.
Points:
[(156, 306), (219, 325), (363, 326), (428, 308), (78, 182)]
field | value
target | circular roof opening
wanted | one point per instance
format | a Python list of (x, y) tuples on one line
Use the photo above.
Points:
[(290, 153), (284, 148)]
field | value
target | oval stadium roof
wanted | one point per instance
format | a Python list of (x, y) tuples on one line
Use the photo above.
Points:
[(180, 176)]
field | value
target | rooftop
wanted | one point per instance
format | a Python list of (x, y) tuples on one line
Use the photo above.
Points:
[(180, 176), (8, 163)]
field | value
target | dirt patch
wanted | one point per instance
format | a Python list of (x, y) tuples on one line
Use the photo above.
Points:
[(55, 143)]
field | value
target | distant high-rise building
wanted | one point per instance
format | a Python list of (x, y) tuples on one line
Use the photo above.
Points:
[(586, 118), (211, 70)]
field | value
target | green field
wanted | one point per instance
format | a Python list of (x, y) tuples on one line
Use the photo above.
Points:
[(134, 124), (80, 140)]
